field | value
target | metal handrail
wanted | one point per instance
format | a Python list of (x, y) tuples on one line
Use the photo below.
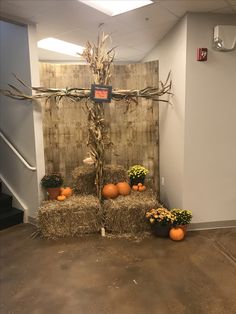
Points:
[(22, 159)]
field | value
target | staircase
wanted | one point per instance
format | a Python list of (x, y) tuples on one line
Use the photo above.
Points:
[(9, 216)]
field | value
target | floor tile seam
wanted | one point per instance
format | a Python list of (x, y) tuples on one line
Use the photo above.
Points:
[(223, 250)]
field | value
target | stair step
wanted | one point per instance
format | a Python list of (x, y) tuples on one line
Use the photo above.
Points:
[(11, 217), (4, 210), (5, 201)]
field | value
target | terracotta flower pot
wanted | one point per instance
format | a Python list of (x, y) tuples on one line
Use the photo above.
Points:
[(53, 193)]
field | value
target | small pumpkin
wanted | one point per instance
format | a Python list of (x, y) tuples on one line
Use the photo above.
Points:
[(135, 187), (140, 184), (61, 197), (142, 188), (66, 191), (123, 188), (110, 191), (176, 234)]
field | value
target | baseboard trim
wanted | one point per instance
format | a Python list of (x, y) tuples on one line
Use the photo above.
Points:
[(212, 225)]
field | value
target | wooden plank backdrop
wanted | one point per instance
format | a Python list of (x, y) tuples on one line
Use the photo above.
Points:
[(133, 128)]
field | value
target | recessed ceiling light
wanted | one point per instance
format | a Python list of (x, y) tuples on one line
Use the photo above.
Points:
[(60, 46), (114, 7)]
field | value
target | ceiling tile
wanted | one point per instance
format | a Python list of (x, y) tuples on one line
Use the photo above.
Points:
[(135, 33), (149, 16), (149, 36), (180, 7), (225, 10)]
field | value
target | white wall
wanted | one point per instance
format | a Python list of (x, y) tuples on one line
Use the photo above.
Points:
[(210, 124), (17, 117), (37, 113), (200, 127), (171, 53)]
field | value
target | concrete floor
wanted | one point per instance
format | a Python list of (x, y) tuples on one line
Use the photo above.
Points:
[(95, 275)]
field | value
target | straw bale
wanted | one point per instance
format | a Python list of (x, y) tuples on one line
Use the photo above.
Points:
[(84, 177), (75, 216), (114, 174), (126, 214)]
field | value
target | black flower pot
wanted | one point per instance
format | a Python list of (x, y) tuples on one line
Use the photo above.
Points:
[(136, 181), (160, 230)]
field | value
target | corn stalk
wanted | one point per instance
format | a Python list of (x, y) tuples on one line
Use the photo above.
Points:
[(99, 60)]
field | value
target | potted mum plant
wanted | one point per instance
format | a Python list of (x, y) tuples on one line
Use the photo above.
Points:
[(161, 220), (52, 183), (137, 174), (182, 218)]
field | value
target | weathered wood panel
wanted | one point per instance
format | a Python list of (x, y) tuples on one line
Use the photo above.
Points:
[(133, 127)]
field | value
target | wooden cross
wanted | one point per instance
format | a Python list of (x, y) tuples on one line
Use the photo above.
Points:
[(100, 60)]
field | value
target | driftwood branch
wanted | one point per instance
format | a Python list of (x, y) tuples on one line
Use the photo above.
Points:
[(76, 94)]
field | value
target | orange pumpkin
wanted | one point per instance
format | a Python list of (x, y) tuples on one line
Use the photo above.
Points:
[(66, 191), (110, 191), (123, 188), (135, 187), (176, 234), (61, 197), (142, 188), (140, 184)]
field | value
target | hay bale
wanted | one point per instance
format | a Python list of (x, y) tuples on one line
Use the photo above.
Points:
[(75, 216), (114, 174), (84, 180), (126, 214), (84, 177)]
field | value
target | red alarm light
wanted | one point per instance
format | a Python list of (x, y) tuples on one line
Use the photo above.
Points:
[(202, 54)]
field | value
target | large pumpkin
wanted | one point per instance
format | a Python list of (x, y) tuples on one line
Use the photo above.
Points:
[(110, 191), (176, 234), (123, 188)]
